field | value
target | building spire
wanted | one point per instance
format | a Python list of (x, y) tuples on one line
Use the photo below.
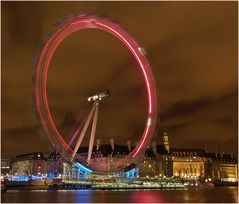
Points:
[(165, 141)]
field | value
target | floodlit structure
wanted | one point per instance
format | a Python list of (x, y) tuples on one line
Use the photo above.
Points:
[(156, 163), (223, 167), (5, 167), (62, 30), (29, 164)]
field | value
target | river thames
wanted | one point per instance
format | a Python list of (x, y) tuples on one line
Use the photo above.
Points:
[(214, 195)]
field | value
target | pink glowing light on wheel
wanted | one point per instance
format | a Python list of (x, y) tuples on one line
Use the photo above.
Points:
[(67, 27)]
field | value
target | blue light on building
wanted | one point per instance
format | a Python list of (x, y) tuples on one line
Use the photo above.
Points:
[(83, 168), (19, 178), (83, 171), (133, 173), (50, 176), (39, 178)]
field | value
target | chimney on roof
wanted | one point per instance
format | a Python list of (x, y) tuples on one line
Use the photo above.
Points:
[(206, 149), (129, 145), (222, 152), (154, 148), (136, 143), (112, 144), (98, 144)]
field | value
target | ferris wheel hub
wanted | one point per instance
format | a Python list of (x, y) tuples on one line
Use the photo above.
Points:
[(99, 96)]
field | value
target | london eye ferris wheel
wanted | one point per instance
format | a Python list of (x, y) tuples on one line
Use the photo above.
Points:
[(70, 25)]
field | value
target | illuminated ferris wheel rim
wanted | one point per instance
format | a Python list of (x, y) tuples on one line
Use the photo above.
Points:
[(71, 25)]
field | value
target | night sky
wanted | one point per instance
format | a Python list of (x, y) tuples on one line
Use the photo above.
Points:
[(192, 47)]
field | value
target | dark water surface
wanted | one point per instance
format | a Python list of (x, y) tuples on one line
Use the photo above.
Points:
[(216, 195)]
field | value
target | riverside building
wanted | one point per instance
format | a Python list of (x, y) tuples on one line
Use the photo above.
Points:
[(158, 161)]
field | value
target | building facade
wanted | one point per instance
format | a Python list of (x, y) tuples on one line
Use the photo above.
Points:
[(157, 161), (224, 167), (29, 164), (54, 165), (34, 166), (5, 167), (188, 163)]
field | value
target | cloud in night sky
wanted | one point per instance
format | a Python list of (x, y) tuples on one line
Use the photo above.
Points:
[(192, 47)]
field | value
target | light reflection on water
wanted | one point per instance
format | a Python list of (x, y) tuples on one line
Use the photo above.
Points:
[(217, 194)]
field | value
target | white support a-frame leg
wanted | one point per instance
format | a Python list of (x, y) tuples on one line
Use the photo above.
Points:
[(92, 135), (83, 133)]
